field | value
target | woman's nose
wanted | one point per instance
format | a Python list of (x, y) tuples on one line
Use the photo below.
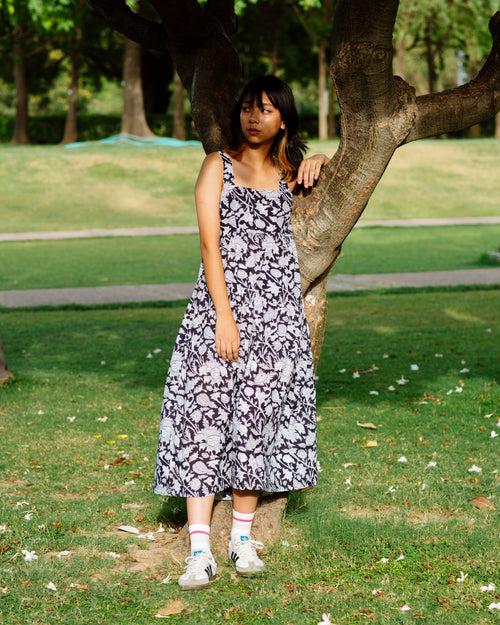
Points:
[(254, 115)]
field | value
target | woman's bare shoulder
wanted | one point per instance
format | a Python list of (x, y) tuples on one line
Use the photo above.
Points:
[(212, 169)]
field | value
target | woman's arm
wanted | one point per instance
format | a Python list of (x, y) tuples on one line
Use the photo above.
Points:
[(207, 195), (309, 170)]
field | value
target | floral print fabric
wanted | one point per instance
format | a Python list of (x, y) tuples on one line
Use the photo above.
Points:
[(249, 423)]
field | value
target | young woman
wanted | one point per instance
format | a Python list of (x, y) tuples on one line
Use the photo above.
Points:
[(239, 405)]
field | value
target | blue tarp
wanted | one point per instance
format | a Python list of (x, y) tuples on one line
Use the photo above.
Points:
[(137, 141)]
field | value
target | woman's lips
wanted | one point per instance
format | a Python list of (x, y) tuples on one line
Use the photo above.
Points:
[(253, 131)]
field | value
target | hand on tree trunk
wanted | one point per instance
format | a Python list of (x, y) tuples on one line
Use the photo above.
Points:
[(309, 169)]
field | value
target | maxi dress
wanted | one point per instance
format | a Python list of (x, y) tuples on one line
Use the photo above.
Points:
[(248, 423)]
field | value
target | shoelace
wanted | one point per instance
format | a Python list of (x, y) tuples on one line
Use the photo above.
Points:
[(198, 564), (247, 547)]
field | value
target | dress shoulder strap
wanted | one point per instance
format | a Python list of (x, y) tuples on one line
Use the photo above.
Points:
[(228, 168)]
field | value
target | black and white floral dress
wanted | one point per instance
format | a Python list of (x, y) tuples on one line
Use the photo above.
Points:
[(249, 423)]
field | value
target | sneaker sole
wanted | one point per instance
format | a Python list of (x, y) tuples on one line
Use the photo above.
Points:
[(197, 586), (249, 572)]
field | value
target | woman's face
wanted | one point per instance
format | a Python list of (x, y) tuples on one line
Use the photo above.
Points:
[(266, 121)]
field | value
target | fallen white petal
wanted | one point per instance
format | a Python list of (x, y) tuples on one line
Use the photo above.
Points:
[(402, 459), (474, 469), (405, 608), (493, 434), (29, 555), (129, 528), (414, 367), (51, 586), (490, 586)]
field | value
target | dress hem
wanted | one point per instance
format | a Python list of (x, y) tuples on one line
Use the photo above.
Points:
[(160, 490)]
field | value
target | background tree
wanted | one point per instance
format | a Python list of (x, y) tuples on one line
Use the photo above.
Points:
[(26, 60)]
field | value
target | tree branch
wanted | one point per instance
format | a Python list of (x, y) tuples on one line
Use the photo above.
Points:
[(462, 107), (121, 18)]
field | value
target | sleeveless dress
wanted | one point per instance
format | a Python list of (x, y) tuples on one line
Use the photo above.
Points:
[(248, 423)]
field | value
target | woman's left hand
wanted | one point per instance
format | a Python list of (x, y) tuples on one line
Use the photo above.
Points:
[(310, 168)]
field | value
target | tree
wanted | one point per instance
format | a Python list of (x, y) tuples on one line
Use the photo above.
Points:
[(379, 112)]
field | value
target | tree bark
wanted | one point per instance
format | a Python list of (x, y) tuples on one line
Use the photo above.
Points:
[(71, 124), (20, 135), (179, 117), (497, 126), (322, 92)]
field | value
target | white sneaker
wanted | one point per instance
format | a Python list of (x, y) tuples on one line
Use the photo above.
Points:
[(201, 568), (241, 550)]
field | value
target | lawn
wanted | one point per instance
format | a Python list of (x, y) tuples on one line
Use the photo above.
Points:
[(56, 188), (176, 258), (387, 526)]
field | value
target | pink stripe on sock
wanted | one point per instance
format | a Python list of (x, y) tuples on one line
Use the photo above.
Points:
[(247, 520), (198, 532)]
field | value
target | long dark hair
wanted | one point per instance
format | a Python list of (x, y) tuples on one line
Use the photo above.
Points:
[(287, 149)]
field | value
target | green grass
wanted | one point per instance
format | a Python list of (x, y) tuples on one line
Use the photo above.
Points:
[(55, 188), (176, 258), (90, 363)]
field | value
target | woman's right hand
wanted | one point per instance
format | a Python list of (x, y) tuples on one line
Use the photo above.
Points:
[(227, 336)]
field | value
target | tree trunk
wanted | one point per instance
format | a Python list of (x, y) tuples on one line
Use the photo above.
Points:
[(497, 126), (332, 127), (70, 127), (429, 57), (20, 135), (5, 374), (322, 92), (179, 131), (133, 118)]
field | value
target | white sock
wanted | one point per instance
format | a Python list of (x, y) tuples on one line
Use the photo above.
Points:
[(242, 524), (199, 537)]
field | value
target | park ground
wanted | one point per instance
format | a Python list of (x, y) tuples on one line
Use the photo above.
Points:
[(401, 526)]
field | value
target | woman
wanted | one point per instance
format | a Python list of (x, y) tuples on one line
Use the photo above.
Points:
[(239, 407)]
